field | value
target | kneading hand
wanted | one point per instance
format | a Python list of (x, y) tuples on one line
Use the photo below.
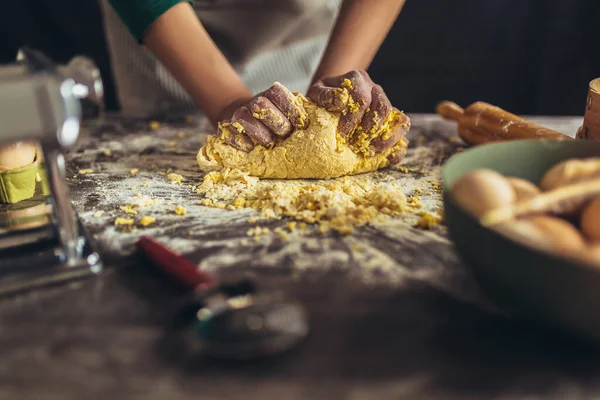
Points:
[(276, 112), (368, 122)]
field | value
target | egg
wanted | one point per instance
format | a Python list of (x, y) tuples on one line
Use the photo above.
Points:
[(591, 255), (524, 232), (570, 171), (17, 155), (482, 190), (523, 188), (545, 232), (590, 220), (594, 252), (562, 235)]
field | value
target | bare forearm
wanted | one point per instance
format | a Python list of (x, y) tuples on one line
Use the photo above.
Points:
[(181, 43), (359, 31)]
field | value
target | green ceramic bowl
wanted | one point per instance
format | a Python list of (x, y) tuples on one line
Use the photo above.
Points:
[(530, 283)]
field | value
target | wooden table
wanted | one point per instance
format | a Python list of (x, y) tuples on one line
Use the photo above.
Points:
[(399, 318)]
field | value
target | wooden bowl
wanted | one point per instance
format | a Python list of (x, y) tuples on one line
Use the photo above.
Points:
[(548, 288), (591, 119)]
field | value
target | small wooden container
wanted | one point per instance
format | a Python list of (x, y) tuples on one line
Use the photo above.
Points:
[(591, 120)]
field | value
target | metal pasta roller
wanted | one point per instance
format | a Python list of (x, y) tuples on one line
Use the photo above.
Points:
[(41, 238)]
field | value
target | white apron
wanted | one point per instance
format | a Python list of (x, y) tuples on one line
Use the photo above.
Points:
[(265, 40)]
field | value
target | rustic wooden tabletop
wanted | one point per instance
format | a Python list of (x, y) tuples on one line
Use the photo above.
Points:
[(394, 313)]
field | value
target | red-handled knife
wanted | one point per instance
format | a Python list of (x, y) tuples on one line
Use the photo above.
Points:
[(175, 265)]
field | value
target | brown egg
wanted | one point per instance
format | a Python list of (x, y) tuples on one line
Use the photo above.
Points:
[(562, 235), (524, 189), (17, 155), (570, 171), (524, 232), (482, 190), (546, 233), (590, 220), (591, 255), (595, 249)]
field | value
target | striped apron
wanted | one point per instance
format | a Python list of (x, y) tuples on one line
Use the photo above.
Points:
[(265, 40)]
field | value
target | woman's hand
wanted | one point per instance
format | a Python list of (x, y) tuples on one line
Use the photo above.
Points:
[(368, 122), (273, 113)]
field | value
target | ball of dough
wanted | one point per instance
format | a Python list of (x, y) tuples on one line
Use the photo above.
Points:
[(590, 220), (570, 171), (313, 153), (17, 155), (483, 190), (524, 189)]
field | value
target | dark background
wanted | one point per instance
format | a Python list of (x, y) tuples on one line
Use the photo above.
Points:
[(527, 56)]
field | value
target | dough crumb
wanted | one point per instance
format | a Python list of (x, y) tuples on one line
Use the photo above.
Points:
[(414, 202), (281, 234), (154, 125), (128, 210), (175, 178), (239, 202), (180, 210), (181, 135), (338, 204), (147, 220), (134, 171), (85, 171), (427, 221), (123, 221), (106, 152), (98, 213), (437, 186), (356, 248)]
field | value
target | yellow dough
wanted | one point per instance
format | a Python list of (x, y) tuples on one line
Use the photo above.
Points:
[(314, 153)]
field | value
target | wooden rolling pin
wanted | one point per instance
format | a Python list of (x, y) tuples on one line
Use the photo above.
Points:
[(483, 123), (591, 119)]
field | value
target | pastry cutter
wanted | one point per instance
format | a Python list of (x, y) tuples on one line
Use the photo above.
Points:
[(231, 320)]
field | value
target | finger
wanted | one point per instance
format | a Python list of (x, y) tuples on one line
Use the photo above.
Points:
[(381, 144), (366, 76), (265, 111), (334, 99), (347, 80), (378, 112), (398, 155), (243, 122), (288, 104), (234, 138), (359, 101), (398, 118), (388, 139)]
